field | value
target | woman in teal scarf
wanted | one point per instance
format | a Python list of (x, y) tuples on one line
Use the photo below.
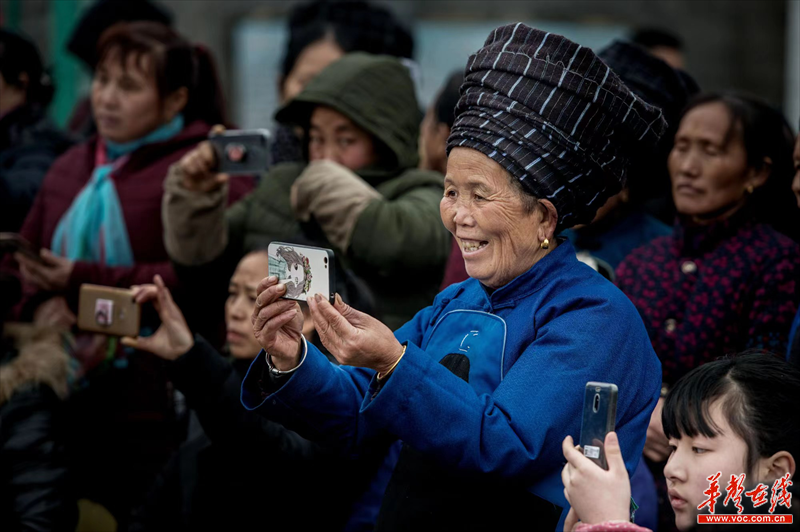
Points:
[(98, 220), (99, 208)]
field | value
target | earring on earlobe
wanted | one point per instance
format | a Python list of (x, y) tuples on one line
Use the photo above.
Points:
[(750, 189), (545, 244)]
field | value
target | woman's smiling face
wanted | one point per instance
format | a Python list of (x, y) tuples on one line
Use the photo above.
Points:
[(485, 213)]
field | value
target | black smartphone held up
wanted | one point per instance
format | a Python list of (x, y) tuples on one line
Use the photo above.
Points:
[(599, 418), (305, 270), (241, 152)]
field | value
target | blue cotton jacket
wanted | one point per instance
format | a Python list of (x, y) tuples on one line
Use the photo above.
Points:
[(532, 345)]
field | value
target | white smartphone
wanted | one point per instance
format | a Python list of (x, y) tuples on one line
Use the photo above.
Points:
[(305, 270)]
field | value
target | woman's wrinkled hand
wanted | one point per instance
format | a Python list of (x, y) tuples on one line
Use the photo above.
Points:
[(51, 274), (352, 337), (198, 168), (594, 494), (656, 446), (278, 324), (173, 338)]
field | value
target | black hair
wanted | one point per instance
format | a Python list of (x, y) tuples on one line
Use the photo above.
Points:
[(354, 25), (765, 133), (103, 14), (19, 55), (176, 63), (758, 392), (655, 37), (445, 104)]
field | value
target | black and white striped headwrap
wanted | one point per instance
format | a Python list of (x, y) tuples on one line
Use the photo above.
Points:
[(554, 116)]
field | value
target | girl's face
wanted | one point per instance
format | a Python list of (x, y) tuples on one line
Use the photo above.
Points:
[(694, 459)]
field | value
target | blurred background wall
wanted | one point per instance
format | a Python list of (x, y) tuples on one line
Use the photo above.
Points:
[(747, 45)]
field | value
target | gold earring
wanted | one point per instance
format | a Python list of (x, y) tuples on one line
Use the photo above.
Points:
[(750, 189), (545, 244)]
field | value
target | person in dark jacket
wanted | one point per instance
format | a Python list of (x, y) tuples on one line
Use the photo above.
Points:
[(29, 142), (359, 191), (212, 483), (34, 474), (321, 32), (725, 280), (97, 220)]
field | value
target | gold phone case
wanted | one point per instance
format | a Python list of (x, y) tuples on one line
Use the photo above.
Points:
[(108, 310)]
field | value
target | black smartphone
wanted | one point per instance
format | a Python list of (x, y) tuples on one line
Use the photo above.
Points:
[(241, 152), (305, 270), (599, 418)]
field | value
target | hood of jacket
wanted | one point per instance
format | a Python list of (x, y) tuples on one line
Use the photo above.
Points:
[(32, 356), (375, 92)]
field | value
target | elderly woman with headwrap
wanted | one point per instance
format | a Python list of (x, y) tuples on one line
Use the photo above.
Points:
[(482, 386)]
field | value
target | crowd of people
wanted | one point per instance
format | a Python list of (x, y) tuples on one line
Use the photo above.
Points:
[(555, 217)]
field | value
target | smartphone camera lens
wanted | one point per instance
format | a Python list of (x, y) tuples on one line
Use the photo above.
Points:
[(325, 260)]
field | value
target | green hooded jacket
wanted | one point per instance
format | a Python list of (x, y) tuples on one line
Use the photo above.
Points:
[(399, 245)]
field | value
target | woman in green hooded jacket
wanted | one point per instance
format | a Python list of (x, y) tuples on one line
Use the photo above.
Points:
[(360, 193)]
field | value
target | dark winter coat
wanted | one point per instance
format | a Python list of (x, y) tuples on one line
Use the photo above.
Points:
[(29, 143)]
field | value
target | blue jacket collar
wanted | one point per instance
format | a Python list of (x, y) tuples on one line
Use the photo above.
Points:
[(559, 260)]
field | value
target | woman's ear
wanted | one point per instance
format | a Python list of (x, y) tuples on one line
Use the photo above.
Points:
[(774, 467), (175, 103), (757, 177), (547, 227)]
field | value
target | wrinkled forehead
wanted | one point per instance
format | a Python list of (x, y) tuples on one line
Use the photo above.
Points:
[(471, 168)]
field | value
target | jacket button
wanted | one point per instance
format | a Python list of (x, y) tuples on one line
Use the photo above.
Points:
[(670, 325), (688, 267)]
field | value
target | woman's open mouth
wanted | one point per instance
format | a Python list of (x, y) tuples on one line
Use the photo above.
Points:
[(471, 246)]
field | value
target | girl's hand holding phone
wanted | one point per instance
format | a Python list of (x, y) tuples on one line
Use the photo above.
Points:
[(595, 495)]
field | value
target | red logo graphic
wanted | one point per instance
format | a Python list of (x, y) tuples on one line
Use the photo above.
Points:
[(780, 493), (780, 496), (758, 495), (712, 492), (734, 491)]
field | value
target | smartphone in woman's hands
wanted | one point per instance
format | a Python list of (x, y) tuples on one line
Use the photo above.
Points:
[(305, 270)]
